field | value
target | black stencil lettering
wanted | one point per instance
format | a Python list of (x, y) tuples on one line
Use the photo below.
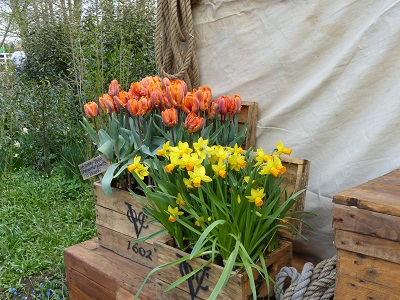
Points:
[(138, 220)]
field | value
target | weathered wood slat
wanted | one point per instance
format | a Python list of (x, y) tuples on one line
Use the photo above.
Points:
[(105, 269), (249, 114), (365, 222), (201, 287), (368, 245), (380, 195)]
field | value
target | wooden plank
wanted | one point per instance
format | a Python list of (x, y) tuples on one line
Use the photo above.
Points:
[(369, 271), (366, 222), (202, 285), (119, 222), (368, 245), (83, 283), (125, 246), (108, 269), (249, 114), (350, 288), (76, 294), (295, 179), (380, 195)]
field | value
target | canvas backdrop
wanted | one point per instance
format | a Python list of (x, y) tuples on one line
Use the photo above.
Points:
[(326, 76)]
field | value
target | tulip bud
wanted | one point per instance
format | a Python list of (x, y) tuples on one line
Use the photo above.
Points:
[(114, 88), (169, 117), (203, 95), (193, 123), (238, 103), (106, 103), (91, 109), (121, 99), (213, 111), (190, 104)]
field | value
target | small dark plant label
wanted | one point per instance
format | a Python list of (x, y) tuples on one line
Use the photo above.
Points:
[(137, 219), (93, 167), (140, 250), (195, 282)]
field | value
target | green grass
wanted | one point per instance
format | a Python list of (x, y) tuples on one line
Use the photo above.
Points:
[(39, 217)]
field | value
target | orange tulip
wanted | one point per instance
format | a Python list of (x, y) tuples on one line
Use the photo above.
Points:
[(136, 90), (226, 105), (121, 99), (190, 104), (238, 103), (157, 99), (106, 103), (91, 109), (204, 96), (169, 117), (213, 110), (175, 91), (114, 88), (137, 107), (193, 123)]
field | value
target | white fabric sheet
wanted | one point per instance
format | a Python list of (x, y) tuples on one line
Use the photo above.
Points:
[(326, 75)]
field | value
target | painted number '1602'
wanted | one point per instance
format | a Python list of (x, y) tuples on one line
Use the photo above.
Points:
[(140, 250)]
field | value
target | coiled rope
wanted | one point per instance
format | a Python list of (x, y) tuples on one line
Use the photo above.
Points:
[(174, 42), (314, 283)]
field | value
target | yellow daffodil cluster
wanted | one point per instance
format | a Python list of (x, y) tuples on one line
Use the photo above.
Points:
[(202, 164)]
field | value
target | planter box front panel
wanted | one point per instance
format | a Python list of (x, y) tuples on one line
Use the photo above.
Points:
[(202, 284), (120, 220)]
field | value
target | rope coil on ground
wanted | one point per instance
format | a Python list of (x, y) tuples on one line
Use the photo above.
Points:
[(314, 283), (174, 42)]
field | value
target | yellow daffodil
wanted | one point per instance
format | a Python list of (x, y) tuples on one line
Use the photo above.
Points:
[(237, 161), (188, 182), (237, 149), (179, 199), (138, 168), (169, 168), (256, 196), (174, 213), (281, 149), (218, 153), (164, 150), (201, 147), (188, 161), (239, 200), (198, 175), (219, 170), (266, 168), (261, 157)]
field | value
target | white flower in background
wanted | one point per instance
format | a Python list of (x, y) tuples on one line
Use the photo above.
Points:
[(16, 155), (17, 144), (25, 130)]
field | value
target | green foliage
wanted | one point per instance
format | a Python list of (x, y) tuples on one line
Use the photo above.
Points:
[(40, 217)]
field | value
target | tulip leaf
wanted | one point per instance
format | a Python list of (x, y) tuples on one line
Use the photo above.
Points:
[(107, 149), (107, 178), (90, 130), (103, 136)]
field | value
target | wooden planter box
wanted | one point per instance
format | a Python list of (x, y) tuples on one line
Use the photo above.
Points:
[(120, 220), (366, 219), (94, 272), (202, 284)]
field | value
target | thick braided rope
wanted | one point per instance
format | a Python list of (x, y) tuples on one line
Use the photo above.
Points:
[(174, 42), (313, 283)]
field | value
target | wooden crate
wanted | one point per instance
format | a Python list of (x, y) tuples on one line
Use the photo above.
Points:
[(366, 219), (295, 179), (94, 272), (120, 220), (201, 285), (249, 115)]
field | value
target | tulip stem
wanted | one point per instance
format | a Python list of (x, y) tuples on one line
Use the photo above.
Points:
[(140, 132)]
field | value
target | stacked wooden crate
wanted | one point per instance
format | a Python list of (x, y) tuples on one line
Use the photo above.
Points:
[(366, 219)]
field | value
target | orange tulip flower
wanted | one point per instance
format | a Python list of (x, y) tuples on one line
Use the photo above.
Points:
[(238, 102), (106, 103), (226, 105), (137, 107), (213, 110), (175, 91), (204, 96), (91, 109), (169, 117), (190, 104), (136, 90), (121, 99), (157, 99), (114, 88), (193, 123)]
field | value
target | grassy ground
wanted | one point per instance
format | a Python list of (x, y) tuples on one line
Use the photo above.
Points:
[(39, 217)]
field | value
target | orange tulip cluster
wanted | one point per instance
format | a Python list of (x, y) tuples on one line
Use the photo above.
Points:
[(169, 98)]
